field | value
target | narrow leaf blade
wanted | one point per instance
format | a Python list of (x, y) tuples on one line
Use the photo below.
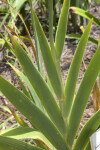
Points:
[(48, 59), (13, 144), (73, 72), (40, 87), (31, 89), (82, 96), (36, 117), (26, 133), (85, 14), (61, 30), (78, 37), (90, 127)]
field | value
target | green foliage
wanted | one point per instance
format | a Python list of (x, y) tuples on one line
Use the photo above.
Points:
[(83, 4), (70, 85), (10, 16), (78, 37), (15, 144), (54, 124), (84, 14)]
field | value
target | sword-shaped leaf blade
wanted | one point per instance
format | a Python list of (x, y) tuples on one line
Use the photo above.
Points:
[(61, 29), (73, 72), (49, 62), (89, 128), (85, 14), (7, 143), (39, 86), (26, 133), (36, 117), (82, 96)]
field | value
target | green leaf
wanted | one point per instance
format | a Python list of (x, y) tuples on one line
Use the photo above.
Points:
[(26, 133), (89, 128), (82, 96), (38, 51), (48, 59), (51, 19), (61, 30), (23, 87), (20, 120), (18, 5), (4, 20), (5, 108), (73, 72), (40, 144), (36, 117), (40, 87), (78, 37), (85, 14), (35, 98), (7, 45), (2, 126), (88, 146), (98, 1), (12, 144)]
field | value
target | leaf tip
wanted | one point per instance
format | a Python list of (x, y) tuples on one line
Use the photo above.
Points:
[(73, 10)]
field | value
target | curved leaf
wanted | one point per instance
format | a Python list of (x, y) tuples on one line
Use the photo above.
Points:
[(85, 14), (61, 30), (82, 96), (33, 114), (40, 87), (12, 144), (89, 128), (73, 72), (25, 133), (78, 37), (2, 126)]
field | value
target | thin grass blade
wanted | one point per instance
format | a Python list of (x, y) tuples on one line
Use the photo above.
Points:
[(78, 37), (3, 125), (4, 20), (33, 48), (5, 108), (7, 45)]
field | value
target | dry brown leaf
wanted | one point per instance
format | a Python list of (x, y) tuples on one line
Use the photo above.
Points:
[(96, 97)]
